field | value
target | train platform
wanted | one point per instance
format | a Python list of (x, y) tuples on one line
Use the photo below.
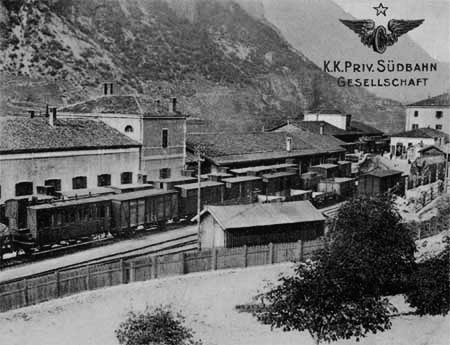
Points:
[(37, 267)]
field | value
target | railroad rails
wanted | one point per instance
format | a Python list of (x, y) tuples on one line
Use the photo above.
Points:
[(179, 244)]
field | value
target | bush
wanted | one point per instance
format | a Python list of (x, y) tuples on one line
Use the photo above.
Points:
[(159, 326), (429, 292)]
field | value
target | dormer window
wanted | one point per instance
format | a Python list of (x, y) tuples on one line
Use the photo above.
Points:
[(129, 129)]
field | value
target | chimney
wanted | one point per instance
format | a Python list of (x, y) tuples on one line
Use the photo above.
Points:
[(174, 105), (321, 130), (105, 89), (31, 114), (111, 88), (288, 144), (52, 118)]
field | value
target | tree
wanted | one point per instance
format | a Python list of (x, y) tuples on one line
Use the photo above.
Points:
[(372, 245), (155, 327), (429, 289), (316, 301), (368, 254)]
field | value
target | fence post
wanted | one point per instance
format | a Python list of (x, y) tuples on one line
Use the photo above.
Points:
[(25, 292), (132, 271), (271, 253), (182, 263), (122, 272), (154, 267), (214, 259), (88, 277), (244, 255), (300, 250), (57, 284)]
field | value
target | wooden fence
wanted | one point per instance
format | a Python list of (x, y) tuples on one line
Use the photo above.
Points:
[(39, 288)]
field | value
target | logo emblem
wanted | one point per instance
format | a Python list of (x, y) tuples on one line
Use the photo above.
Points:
[(377, 37)]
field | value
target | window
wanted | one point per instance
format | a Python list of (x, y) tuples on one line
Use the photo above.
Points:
[(126, 178), (104, 180), (129, 129), (415, 126), (55, 183), (164, 173), (24, 188), (439, 127), (165, 138), (416, 113), (79, 182), (439, 114)]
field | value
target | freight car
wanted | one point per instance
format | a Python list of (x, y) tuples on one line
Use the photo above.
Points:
[(143, 208)]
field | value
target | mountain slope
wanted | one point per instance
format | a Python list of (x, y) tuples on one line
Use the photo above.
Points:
[(313, 27), (230, 68)]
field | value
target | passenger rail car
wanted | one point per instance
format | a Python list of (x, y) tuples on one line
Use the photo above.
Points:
[(143, 208), (66, 220)]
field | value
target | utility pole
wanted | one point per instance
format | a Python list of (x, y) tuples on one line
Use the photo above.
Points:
[(447, 148), (199, 150)]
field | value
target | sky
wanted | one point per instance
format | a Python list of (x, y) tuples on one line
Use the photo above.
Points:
[(433, 35)]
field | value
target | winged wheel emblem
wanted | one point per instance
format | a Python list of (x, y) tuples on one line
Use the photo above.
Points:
[(378, 38)]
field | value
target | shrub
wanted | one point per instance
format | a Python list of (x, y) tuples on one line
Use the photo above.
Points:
[(159, 326), (429, 292)]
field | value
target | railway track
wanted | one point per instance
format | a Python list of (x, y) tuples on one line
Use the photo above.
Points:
[(175, 245), (73, 248)]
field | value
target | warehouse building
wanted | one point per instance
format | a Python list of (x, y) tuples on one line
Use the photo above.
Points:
[(259, 224)]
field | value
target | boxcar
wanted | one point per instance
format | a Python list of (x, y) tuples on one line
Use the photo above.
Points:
[(212, 193), (280, 183), (242, 188), (143, 208), (65, 220)]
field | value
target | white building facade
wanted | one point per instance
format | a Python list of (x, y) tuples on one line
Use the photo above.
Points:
[(432, 112)]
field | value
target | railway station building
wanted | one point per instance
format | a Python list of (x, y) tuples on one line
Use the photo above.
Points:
[(38, 153), (156, 124)]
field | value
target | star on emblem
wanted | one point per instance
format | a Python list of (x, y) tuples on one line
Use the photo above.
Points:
[(381, 9)]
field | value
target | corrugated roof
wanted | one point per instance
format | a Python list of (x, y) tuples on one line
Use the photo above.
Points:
[(225, 148), (421, 133), (23, 134), (252, 215), (438, 101), (123, 104)]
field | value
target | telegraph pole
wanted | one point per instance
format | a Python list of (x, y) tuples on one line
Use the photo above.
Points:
[(199, 150)]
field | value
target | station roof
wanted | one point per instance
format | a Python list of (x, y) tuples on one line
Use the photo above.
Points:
[(257, 215), (24, 134)]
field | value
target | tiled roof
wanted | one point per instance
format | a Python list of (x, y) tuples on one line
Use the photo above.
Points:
[(252, 215), (122, 104), (23, 134), (232, 147), (421, 133), (439, 101)]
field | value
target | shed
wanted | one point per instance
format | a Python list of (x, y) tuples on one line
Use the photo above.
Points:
[(260, 224), (380, 181)]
